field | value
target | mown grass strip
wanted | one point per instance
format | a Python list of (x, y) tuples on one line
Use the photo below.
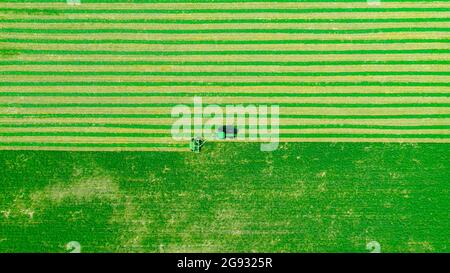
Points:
[(300, 116), (201, 83), (153, 105), (228, 11), (164, 126), (224, 74), (151, 135), (93, 144), (233, 52), (214, 94), (219, 42), (215, 1), (318, 135), (226, 21), (229, 63), (217, 31), (83, 134)]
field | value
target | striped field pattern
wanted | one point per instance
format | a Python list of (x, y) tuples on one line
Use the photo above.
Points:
[(104, 75)]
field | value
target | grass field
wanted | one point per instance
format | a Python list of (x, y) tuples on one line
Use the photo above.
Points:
[(96, 76), (86, 93), (304, 197)]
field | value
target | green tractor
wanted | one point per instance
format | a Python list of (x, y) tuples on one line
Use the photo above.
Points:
[(196, 144)]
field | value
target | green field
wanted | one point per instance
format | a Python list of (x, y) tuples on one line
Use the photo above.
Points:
[(104, 75), (304, 197), (87, 153)]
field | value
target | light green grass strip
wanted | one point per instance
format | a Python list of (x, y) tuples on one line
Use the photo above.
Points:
[(151, 135), (214, 94), (139, 116), (218, 10), (96, 83), (226, 30), (229, 52), (225, 21), (219, 42), (83, 134), (152, 105), (223, 63), (225, 74), (105, 145), (214, 1), (434, 136), (163, 126)]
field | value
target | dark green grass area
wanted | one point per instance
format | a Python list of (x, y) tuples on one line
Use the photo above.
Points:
[(231, 197)]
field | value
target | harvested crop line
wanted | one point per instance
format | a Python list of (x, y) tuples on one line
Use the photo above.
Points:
[(167, 83), (226, 11), (243, 63), (214, 94), (235, 52), (226, 21)]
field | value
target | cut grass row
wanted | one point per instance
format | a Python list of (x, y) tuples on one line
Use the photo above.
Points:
[(218, 94), (225, 74)]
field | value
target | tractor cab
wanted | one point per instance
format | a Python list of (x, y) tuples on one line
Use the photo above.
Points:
[(196, 144)]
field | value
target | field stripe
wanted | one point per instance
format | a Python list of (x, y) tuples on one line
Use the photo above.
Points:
[(166, 126), (229, 63), (226, 21), (168, 135), (231, 52), (216, 1), (75, 144), (225, 11), (226, 74), (214, 94), (165, 83), (299, 116), (149, 105), (221, 42), (214, 31)]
